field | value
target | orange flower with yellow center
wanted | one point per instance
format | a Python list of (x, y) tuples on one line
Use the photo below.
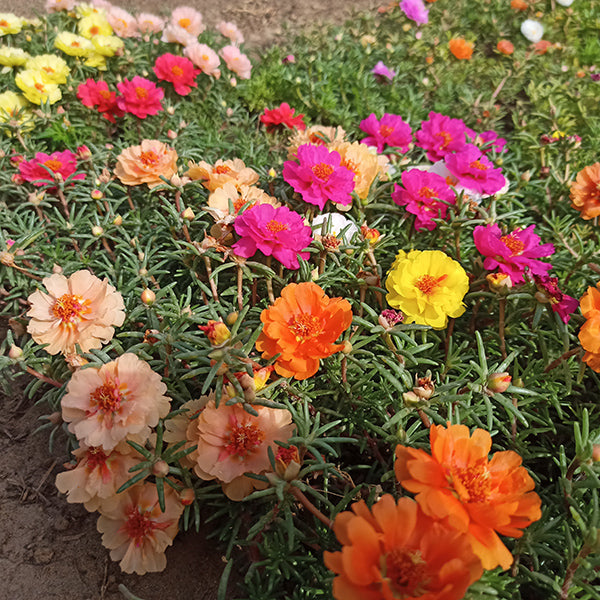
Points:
[(302, 326), (585, 192), (147, 162), (461, 486), (589, 334), (395, 551)]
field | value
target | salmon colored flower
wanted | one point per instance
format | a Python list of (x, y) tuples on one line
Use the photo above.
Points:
[(150, 23), (460, 485), (121, 399), (236, 61), (124, 23), (205, 58), (231, 31), (146, 163), (79, 310), (519, 4), (140, 97), (137, 532), (505, 47), (97, 476), (302, 326), (394, 550), (428, 287), (214, 176), (317, 135), (585, 192), (178, 70), (240, 196), (589, 334), (461, 49)]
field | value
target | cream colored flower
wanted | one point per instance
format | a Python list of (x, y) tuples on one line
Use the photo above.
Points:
[(231, 195), (358, 158), (317, 135), (10, 24), (53, 68), (94, 24), (215, 176), (72, 44)]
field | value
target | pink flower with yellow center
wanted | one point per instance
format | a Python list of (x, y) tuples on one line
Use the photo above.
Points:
[(474, 170), (124, 23), (45, 168), (205, 58), (178, 70), (137, 532), (150, 23), (390, 131), (95, 94), (189, 19), (231, 31), (278, 232), (512, 253), (122, 399), (441, 135), (140, 97), (80, 310), (319, 176), (236, 61)]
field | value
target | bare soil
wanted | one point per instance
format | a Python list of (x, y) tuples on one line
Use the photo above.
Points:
[(49, 549)]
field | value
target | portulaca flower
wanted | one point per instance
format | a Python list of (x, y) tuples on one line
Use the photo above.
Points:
[(532, 30), (336, 225)]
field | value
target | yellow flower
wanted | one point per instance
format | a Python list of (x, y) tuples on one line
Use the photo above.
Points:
[(35, 88), (428, 287), (12, 57), (96, 60), (10, 23), (73, 45), (94, 24), (87, 10), (107, 45), (52, 67), (11, 109)]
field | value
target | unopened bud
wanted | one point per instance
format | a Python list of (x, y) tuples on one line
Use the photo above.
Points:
[(188, 214), (148, 296), (216, 331), (347, 347), (97, 194), (171, 110), (141, 256), (232, 317), (160, 468), (187, 496), (15, 352), (499, 282), (143, 272), (97, 231), (118, 220), (498, 383), (57, 269), (171, 134), (596, 453), (84, 152), (272, 173), (7, 259)]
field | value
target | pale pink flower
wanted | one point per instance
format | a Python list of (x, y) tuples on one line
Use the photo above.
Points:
[(177, 35), (137, 532), (97, 476), (189, 19), (122, 398), (123, 23), (236, 61), (205, 58), (149, 23), (79, 310), (230, 30), (57, 5)]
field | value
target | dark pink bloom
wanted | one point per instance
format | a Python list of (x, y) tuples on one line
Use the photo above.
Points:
[(392, 130), (95, 94), (487, 141), (425, 195), (45, 168), (278, 232), (383, 73), (180, 71), (319, 176), (441, 136), (512, 253), (473, 170), (283, 115), (560, 303), (415, 11), (140, 97)]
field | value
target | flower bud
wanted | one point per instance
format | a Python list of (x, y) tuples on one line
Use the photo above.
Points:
[(118, 220), (287, 463), (160, 468), (171, 110), (596, 452), (7, 259), (148, 296), (97, 194), (97, 231), (187, 496), (171, 134), (57, 269), (15, 352), (498, 383), (216, 331), (347, 347), (188, 214), (84, 152), (232, 317), (499, 282)]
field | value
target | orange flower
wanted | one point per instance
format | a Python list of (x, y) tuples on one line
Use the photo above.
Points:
[(542, 47), (302, 326), (505, 47), (215, 176), (146, 163), (585, 192), (395, 551), (519, 5), (462, 49), (589, 334), (478, 496)]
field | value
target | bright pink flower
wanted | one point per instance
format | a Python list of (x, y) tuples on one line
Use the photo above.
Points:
[(319, 176), (178, 70), (392, 130), (283, 115), (383, 73), (205, 58), (95, 94), (425, 195), (488, 141), (549, 292), (474, 170), (140, 97), (44, 168), (236, 61), (415, 11), (278, 232), (441, 135), (512, 253)]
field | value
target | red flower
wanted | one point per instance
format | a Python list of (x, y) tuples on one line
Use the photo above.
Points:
[(140, 97), (284, 115), (178, 70), (95, 94), (45, 169)]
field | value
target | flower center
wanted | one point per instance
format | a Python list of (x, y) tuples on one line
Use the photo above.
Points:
[(105, 94), (141, 92), (275, 226), (427, 283), (53, 165), (515, 245), (352, 166), (94, 30), (427, 192), (48, 69), (3, 23), (221, 169), (385, 130), (185, 22), (138, 525), (446, 138), (70, 309), (472, 483), (479, 166), (75, 44), (107, 397), (149, 158), (407, 572), (322, 171), (95, 457), (177, 71), (39, 86), (305, 326), (243, 440)]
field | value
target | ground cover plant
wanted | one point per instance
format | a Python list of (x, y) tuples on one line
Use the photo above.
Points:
[(340, 303)]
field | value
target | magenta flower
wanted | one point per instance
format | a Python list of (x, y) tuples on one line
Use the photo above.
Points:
[(441, 136), (512, 253), (141, 97), (475, 171), (382, 72), (549, 291), (319, 176), (392, 130), (178, 70), (278, 232), (415, 11), (487, 141), (425, 195), (45, 169)]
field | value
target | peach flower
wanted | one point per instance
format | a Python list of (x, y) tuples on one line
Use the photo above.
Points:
[(239, 196), (58, 5), (149, 23), (123, 23), (236, 61), (585, 192), (177, 35), (215, 176), (146, 163), (79, 310), (362, 162), (589, 334), (121, 399), (231, 31), (189, 19), (205, 58), (232, 442), (97, 476), (137, 532), (318, 135)]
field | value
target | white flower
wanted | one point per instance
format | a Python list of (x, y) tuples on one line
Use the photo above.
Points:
[(335, 224), (565, 2), (532, 30)]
